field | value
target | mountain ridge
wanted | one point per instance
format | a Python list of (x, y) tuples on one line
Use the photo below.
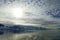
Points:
[(19, 28)]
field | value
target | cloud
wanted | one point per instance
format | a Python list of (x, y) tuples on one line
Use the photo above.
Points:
[(45, 13)]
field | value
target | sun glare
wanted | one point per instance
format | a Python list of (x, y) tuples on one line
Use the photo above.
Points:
[(18, 12)]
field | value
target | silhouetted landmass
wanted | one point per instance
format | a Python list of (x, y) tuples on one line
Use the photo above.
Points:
[(58, 28), (18, 28), (1, 25)]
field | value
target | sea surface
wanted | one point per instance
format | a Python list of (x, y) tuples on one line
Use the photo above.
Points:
[(33, 35)]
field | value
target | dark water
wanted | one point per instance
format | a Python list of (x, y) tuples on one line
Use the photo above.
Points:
[(36, 35)]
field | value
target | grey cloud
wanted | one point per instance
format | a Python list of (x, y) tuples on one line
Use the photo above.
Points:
[(36, 11)]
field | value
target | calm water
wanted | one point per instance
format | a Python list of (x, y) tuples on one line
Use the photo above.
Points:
[(37, 35)]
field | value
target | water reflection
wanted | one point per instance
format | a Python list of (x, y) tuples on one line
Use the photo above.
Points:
[(38, 35)]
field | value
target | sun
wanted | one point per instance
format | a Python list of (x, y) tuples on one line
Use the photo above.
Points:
[(18, 12)]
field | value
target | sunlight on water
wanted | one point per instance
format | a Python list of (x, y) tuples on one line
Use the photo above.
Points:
[(23, 36), (38, 35)]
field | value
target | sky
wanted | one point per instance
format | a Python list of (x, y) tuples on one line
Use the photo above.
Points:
[(41, 13)]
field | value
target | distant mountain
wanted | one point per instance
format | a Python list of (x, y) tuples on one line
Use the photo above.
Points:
[(58, 28), (19, 28)]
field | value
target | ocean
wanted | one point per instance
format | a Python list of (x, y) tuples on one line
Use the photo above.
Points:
[(35, 35)]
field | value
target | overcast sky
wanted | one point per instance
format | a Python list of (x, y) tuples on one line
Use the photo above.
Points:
[(42, 13)]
